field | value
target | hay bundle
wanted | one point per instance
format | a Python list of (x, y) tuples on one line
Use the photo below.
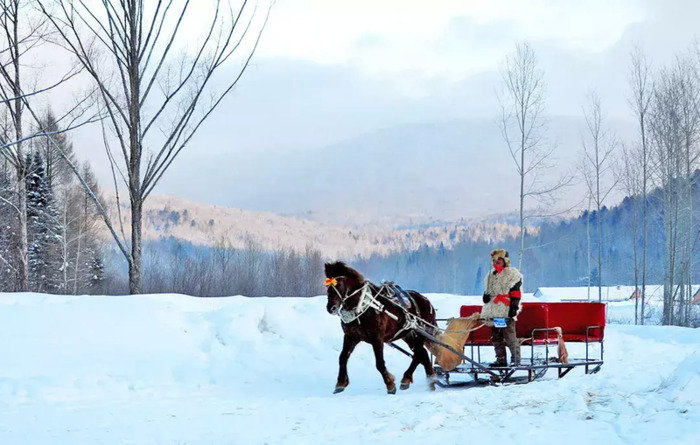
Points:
[(456, 335)]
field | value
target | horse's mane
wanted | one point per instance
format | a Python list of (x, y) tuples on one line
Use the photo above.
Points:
[(340, 269)]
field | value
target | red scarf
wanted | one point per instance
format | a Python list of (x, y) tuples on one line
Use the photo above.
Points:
[(498, 268)]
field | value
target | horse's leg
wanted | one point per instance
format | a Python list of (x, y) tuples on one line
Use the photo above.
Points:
[(389, 379), (424, 357), (420, 356), (408, 375), (349, 344)]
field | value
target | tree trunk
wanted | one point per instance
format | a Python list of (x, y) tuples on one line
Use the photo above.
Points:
[(135, 192), (636, 266), (23, 254), (600, 228), (644, 223), (588, 245), (22, 170), (522, 200), (136, 260)]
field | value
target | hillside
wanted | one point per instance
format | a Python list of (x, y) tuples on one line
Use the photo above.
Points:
[(206, 225)]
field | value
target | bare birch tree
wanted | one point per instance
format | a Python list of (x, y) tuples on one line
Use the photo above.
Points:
[(667, 146), (524, 127), (630, 168), (21, 33), (690, 131), (155, 98), (598, 153), (641, 85)]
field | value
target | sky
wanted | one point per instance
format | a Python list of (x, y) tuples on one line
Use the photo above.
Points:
[(327, 72)]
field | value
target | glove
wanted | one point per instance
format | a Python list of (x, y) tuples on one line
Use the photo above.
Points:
[(514, 305), (486, 298)]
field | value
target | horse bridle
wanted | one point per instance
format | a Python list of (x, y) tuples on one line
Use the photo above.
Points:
[(343, 299), (367, 300)]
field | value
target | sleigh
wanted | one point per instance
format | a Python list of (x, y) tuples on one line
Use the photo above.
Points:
[(561, 336)]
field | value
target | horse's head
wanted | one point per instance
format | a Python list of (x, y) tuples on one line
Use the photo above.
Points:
[(341, 282), (337, 290)]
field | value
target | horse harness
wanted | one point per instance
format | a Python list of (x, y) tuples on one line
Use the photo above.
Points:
[(368, 300)]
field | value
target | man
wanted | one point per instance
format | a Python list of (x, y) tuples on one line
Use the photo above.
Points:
[(502, 301)]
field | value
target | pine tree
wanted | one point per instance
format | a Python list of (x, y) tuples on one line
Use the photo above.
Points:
[(479, 281), (97, 273), (44, 232)]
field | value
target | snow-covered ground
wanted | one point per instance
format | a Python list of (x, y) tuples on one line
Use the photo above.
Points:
[(172, 369)]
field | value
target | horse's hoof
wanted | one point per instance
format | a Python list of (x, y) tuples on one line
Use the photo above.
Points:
[(405, 386), (338, 389), (391, 390), (432, 382)]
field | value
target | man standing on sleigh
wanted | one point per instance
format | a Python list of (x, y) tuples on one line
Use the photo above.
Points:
[(501, 307)]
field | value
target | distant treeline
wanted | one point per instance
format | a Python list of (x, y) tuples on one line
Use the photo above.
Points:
[(175, 266), (558, 256)]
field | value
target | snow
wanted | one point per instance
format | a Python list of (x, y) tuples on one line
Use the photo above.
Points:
[(654, 293), (173, 369), (609, 293)]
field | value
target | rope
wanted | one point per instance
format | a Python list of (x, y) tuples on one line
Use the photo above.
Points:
[(463, 331)]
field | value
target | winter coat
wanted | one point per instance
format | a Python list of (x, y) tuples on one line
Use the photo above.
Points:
[(502, 293)]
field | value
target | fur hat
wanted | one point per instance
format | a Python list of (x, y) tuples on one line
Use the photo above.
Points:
[(501, 253)]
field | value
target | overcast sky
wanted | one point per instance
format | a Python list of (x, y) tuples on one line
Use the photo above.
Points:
[(327, 71)]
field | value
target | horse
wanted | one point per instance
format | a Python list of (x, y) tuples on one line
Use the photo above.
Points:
[(368, 314)]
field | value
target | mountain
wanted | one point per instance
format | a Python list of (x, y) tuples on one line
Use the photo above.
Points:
[(415, 173), (207, 225)]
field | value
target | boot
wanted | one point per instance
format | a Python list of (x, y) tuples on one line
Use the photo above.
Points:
[(499, 363)]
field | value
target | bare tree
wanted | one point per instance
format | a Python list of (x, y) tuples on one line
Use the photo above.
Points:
[(597, 164), (690, 131), (642, 89), (16, 42), (630, 168), (21, 33), (667, 145), (155, 99), (523, 127)]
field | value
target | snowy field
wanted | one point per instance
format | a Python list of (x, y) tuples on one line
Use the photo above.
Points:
[(172, 369)]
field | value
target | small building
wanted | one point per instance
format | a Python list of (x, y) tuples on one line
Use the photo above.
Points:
[(696, 297), (654, 293)]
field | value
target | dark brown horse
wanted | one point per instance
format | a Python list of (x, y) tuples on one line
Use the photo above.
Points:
[(347, 291)]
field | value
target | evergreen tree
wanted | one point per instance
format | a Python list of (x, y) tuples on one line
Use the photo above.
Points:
[(479, 281), (44, 232), (97, 273)]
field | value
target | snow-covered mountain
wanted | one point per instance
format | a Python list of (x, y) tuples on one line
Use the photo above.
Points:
[(207, 225), (407, 174)]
